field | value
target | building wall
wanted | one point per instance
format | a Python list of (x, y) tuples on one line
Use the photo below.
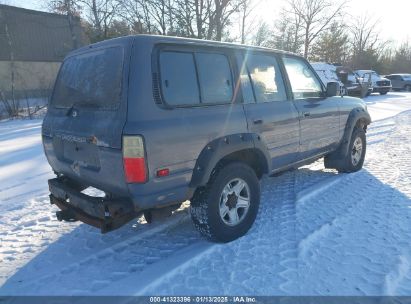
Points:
[(32, 78)]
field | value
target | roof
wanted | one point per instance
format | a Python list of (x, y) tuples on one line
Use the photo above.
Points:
[(29, 35), (181, 41)]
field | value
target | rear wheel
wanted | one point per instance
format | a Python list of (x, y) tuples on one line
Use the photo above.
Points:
[(384, 93), (226, 208)]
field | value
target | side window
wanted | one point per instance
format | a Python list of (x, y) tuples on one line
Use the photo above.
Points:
[(303, 81), (266, 78), (178, 78), (215, 78)]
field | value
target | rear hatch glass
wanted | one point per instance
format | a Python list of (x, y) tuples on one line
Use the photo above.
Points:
[(92, 79)]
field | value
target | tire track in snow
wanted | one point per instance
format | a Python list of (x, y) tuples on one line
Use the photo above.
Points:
[(135, 254)]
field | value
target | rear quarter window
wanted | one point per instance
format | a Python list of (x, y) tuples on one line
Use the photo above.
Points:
[(215, 78), (178, 78), (195, 78), (92, 79)]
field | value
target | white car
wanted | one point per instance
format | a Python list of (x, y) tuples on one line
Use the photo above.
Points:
[(379, 84)]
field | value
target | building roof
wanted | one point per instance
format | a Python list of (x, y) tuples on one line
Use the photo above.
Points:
[(28, 35)]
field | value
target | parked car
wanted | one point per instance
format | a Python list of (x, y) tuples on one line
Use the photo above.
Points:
[(350, 83), (356, 86), (400, 81), (379, 84), (328, 73), (154, 121)]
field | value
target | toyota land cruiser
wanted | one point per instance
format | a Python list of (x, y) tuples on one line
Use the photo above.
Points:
[(154, 121)]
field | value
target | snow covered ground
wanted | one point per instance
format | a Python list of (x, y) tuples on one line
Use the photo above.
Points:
[(317, 232)]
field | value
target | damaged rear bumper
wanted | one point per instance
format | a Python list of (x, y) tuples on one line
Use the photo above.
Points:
[(107, 214)]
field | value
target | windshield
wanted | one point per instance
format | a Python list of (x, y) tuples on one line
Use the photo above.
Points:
[(92, 79)]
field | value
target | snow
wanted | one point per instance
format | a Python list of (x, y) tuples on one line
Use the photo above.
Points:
[(317, 232)]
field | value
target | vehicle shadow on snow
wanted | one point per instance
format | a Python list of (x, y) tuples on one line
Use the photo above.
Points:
[(312, 228)]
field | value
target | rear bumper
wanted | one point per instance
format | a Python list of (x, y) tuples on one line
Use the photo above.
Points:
[(107, 214)]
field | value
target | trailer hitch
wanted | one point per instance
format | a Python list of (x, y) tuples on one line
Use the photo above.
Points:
[(66, 215)]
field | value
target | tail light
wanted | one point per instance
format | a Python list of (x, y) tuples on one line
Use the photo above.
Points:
[(133, 159)]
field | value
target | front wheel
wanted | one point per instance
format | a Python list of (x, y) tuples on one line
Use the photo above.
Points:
[(384, 93), (354, 160), (226, 208)]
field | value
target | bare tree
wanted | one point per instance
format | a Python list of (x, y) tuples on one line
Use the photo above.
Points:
[(287, 32), (161, 12), (366, 45), (219, 19), (136, 14), (316, 16), (100, 14), (246, 8), (364, 34), (72, 9)]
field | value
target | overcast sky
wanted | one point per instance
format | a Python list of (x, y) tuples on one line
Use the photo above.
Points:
[(394, 15)]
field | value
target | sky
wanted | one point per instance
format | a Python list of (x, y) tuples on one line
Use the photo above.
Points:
[(394, 15)]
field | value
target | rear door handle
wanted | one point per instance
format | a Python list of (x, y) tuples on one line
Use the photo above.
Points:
[(258, 121)]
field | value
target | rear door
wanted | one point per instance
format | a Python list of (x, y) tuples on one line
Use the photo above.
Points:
[(270, 113), (319, 116), (83, 127), (397, 82)]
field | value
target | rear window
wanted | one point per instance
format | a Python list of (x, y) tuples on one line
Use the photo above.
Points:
[(93, 79)]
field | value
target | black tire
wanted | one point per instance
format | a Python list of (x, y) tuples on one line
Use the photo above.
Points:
[(383, 93), (207, 201), (407, 88), (348, 165)]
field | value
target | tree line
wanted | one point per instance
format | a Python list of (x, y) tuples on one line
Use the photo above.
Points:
[(320, 30)]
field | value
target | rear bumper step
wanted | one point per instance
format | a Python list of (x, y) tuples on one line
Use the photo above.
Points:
[(104, 213)]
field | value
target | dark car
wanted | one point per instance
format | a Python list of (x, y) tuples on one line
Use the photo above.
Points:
[(356, 86), (154, 121), (400, 82)]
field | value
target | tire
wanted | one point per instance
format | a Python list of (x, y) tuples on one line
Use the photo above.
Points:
[(213, 207), (354, 161), (383, 93), (407, 88)]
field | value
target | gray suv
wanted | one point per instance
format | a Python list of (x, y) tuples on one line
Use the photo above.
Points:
[(400, 82), (154, 121)]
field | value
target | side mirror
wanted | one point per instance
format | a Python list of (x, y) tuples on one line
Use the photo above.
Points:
[(333, 89)]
